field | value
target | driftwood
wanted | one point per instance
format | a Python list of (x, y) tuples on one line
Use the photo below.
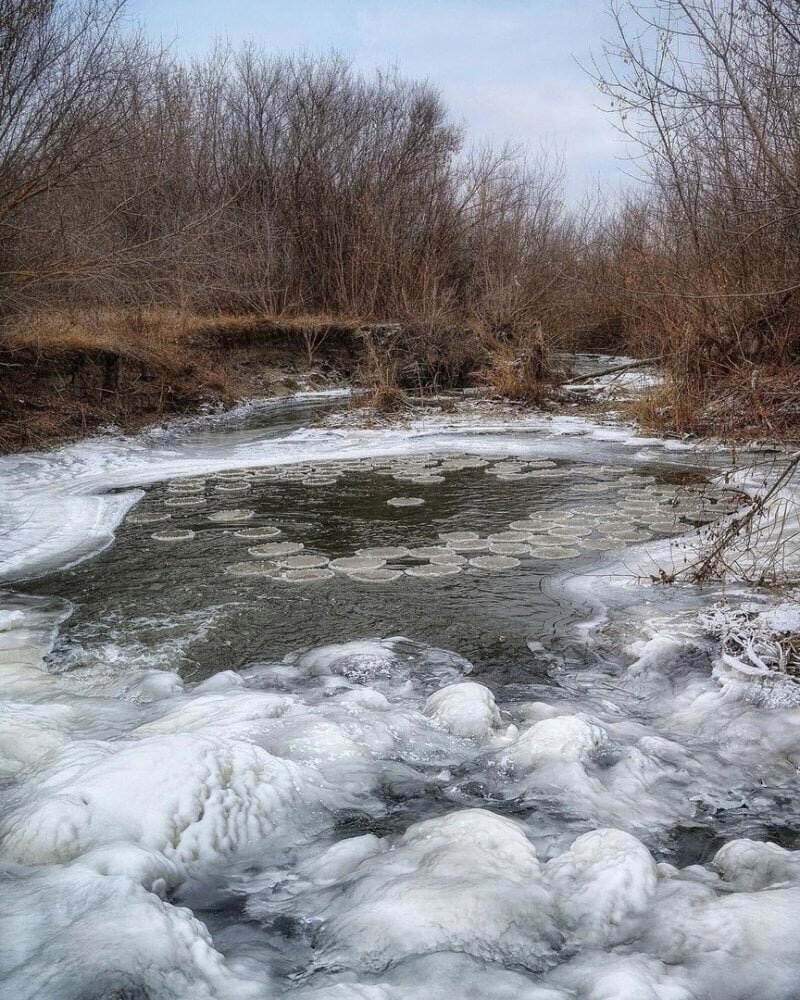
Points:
[(616, 370)]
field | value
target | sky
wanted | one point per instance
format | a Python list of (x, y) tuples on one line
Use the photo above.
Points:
[(508, 70)]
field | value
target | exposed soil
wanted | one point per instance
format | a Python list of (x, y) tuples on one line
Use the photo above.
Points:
[(58, 388)]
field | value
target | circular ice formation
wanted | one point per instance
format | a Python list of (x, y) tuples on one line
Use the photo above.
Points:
[(510, 549), (306, 575), (497, 562), (320, 481), (195, 483), (554, 552), (560, 518), (184, 502), (508, 536), (254, 567), (433, 551), (472, 463), (268, 531), (592, 488), (356, 564), (459, 536), (526, 527), (458, 464), (504, 468), (232, 488), (384, 552), (431, 570), (582, 520), (632, 535), (600, 544), (662, 526), (473, 545), (184, 488), (451, 559), (543, 474), (275, 549), (176, 535), (465, 709), (147, 518), (405, 502), (380, 575), (591, 510), (570, 531), (304, 562), (426, 480), (229, 516)]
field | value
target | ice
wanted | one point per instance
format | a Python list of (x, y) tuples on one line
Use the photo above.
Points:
[(603, 886), (59, 509), (193, 798), (465, 709), (355, 820), (466, 882), (750, 865), (566, 739), (59, 927)]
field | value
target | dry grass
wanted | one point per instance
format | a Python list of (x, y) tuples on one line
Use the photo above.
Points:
[(158, 331), (753, 402), (518, 369)]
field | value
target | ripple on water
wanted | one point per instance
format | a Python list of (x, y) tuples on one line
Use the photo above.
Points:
[(184, 501), (147, 518), (380, 575), (253, 567)]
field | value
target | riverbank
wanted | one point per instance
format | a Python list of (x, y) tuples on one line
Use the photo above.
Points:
[(64, 378)]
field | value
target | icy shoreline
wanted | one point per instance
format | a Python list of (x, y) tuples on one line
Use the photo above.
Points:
[(186, 840)]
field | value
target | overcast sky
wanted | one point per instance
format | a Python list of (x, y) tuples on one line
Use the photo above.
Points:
[(507, 69)]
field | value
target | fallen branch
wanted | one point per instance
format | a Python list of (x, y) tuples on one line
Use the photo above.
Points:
[(616, 370)]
